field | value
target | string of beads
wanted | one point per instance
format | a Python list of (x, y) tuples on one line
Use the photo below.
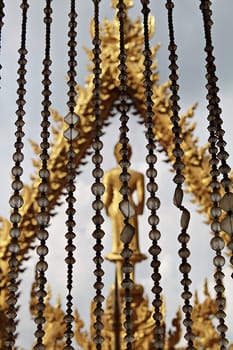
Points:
[(16, 200), (71, 133), (153, 202), (124, 206), (43, 216), (97, 187), (217, 154), (179, 179), (2, 14)]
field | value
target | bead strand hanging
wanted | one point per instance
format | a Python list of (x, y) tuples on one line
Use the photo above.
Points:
[(43, 216), (2, 14), (217, 153), (97, 187), (71, 133), (179, 179), (16, 200), (125, 206), (153, 202)]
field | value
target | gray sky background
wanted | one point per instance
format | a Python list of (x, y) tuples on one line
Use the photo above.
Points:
[(189, 38)]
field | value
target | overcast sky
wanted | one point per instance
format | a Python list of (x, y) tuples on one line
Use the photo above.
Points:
[(189, 37)]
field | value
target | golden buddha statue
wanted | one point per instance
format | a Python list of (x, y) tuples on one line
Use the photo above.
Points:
[(112, 199)]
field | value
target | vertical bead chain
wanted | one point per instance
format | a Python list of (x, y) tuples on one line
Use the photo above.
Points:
[(43, 216), (97, 187), (217, 153), (179, 179), (125, 207), (16, 200), (2, 14), (71, 134), (153, 202)]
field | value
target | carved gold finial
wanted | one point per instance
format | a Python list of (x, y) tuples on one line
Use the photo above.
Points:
[(128, 3)]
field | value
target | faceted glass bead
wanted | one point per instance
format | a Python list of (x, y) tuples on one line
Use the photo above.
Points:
[(227, 224), (99, 298), (97, 173), (43, 187), (154, 235), (43, 219), (183, 238), (97, 158), (41, 266), (13, 262), (226, 203), (127, 209), (215, 226), (98, 339), (151, 159), (215, 196), (127, 283), (153, 220), (97, 145), (98, 189), (185, 268), (184, 252), (186, 295), (219, 275), (217, 243), (98, 325), (97, 204), (178, 197), (68, 318), (216, 211), (154, 250), (124, 177), (98, 219), (99, 272), (98, 259), (127, 234), (127, 253), (153, 203), (151, 173), (70, 260), (17, 185), (127, 268), (42, 201), (18, 157), (178, 179), (71, 134), (14, 232), (129, 338), (42, 234), (44, 173), (219, 261), (98, 234), (69, 334), (42, 250), (16, 201), (98, 311), (185, 218), (17, 170), (222, 328), (72, 118), (219, 288), (12, 275), (14, 247), (152, 187)]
